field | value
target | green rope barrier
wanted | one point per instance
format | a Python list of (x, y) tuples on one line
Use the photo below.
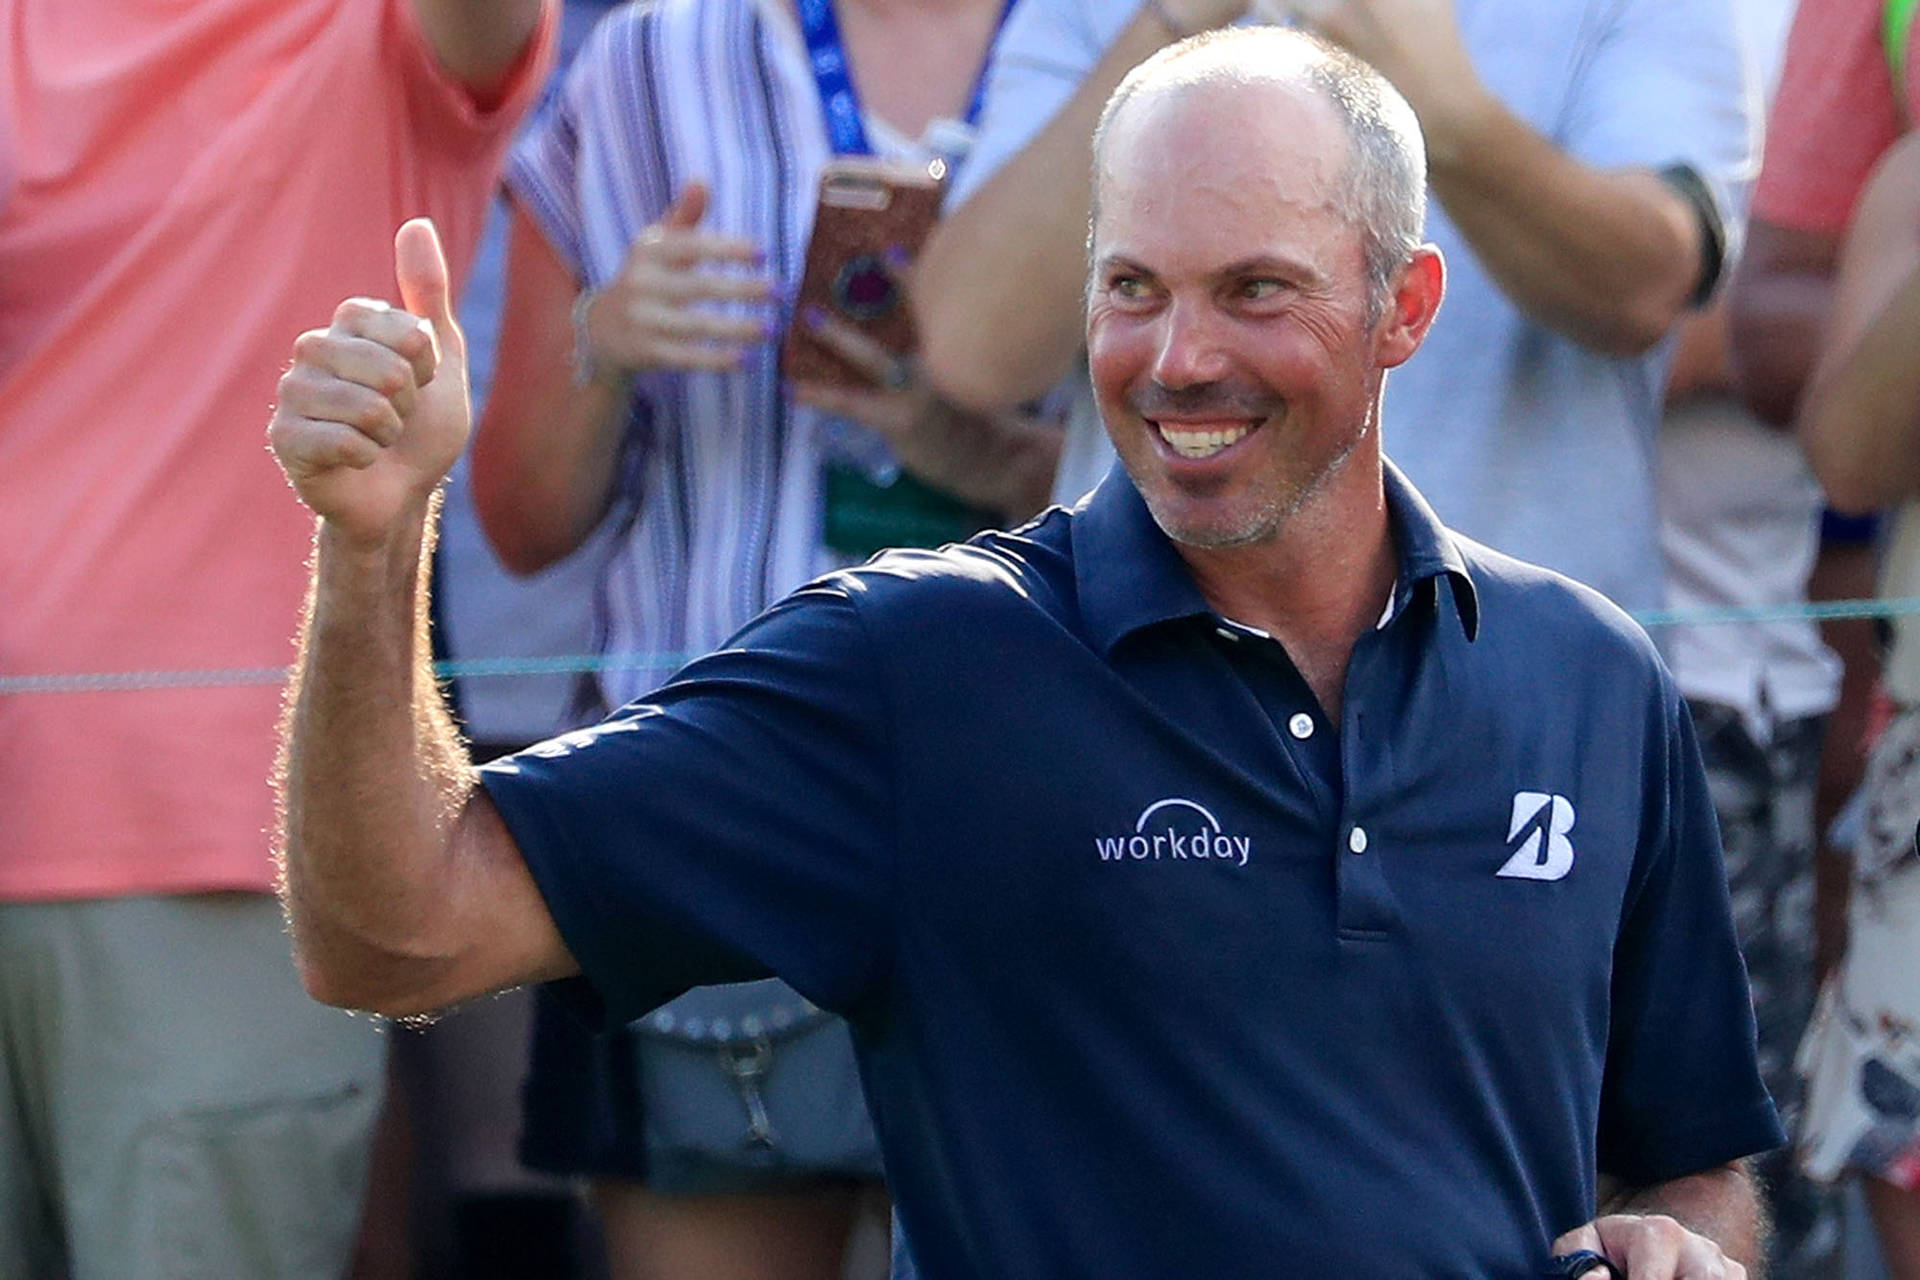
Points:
[(587, 663)]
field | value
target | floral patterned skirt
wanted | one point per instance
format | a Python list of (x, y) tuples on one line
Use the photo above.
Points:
[(1861, 1055)]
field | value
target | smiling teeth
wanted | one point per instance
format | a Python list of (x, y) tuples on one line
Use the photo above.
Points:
[(1202, 444)]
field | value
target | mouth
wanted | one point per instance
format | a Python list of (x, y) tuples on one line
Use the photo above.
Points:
[(1197, 441)]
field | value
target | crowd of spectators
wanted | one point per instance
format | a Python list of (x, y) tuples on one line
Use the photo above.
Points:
[(1634, 381)]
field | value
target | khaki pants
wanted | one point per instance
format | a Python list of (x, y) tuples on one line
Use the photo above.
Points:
[(172, 1104)]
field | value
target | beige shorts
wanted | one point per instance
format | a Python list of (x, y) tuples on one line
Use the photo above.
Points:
[(172, 1104)]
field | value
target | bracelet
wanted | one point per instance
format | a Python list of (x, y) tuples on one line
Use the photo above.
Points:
[(586, 369), (1158, 9), (582, 346)]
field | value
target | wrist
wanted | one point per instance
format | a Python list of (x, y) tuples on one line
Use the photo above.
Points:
[(589, 369), (376, 552)]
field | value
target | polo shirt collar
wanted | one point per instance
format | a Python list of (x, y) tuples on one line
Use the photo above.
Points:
[(1129, 576)]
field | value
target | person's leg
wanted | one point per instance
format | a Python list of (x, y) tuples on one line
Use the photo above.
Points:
[(210, 1118), (1896, 1221), (31, 1241), (788, 1235), (492, 1218), (1764, 800)]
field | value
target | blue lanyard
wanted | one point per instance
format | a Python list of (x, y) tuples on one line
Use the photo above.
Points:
[(834, 76)]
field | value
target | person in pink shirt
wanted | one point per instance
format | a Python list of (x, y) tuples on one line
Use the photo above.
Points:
[(171, 1103), (1821, 338)]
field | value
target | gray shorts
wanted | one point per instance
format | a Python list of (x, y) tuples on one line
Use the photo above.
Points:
[(171, 1102)]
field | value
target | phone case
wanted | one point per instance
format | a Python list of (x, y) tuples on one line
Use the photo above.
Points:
[(868, 210)]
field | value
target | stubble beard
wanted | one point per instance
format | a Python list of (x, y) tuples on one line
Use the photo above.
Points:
[(1268, 518)]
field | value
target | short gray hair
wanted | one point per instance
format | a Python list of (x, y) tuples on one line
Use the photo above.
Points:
[(1385, 189)]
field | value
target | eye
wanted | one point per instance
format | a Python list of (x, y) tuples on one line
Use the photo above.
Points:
[(1127, 288), (1259, 289)]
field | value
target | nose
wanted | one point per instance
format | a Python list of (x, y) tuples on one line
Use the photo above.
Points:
[(1188, 351)]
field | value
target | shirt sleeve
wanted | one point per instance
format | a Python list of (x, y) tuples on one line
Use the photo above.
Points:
[(1682, 1091), (735, 825), (1667, 85), (585, 168), (1834, 115), (1045, 49)]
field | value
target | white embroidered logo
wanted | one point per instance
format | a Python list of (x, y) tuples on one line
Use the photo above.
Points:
[(1538, 837), (1176, 836)]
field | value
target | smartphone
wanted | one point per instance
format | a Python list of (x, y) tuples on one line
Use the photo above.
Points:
[(870, 211)]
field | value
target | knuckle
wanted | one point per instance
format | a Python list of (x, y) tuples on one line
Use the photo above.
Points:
[(412, 343), (354, 312), (311, 344), (393, 378), (1667, 1230), (346, 449)]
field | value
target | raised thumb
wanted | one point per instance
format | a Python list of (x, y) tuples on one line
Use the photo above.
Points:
[(420, 267)]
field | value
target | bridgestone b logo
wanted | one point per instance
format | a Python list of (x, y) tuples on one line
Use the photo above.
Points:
[(1176, 830), (1537, 837)]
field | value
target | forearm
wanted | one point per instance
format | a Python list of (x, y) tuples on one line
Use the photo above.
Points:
[(1002, 462), (1721, 1204), (1775, 326), (545, 457), (1700, 364), (999, 289), (545, 462), (1607, 258), (1861, 419), (373, 778)]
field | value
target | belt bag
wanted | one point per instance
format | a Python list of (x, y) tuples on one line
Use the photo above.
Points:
[(750, 1087)]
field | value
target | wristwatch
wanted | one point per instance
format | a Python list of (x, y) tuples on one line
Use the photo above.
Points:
[(1584, 1264)]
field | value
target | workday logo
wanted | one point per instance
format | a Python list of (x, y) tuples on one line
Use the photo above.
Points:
[(1537, 837), (1176, 830)]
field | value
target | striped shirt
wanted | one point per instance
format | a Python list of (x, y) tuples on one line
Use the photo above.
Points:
[(719, 499)]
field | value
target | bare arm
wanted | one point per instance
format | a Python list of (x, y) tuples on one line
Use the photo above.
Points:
[(405, 891), (1700, 362), (544, 455), (1777, 305), (545, 458), (1705, 1226), (1609, 258), (998, 290), (1002, 462), (478, 41), (1860, 419)]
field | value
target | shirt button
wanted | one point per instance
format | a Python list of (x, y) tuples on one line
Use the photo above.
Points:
[(1357, 840), (1301, 726)]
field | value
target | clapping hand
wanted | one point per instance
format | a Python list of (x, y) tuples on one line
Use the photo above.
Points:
[(660, 313)]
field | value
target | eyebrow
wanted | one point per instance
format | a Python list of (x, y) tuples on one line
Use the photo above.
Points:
[(1257, 264)]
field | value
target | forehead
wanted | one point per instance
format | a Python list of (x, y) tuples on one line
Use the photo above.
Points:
[(1244, 162)]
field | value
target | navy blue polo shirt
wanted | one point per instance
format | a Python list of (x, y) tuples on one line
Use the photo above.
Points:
[(1154, 972)]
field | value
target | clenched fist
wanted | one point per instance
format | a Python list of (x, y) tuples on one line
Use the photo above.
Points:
[(374, 412)]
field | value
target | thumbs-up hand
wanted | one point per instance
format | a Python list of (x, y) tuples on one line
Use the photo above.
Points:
[(660, 312), (373, 411)]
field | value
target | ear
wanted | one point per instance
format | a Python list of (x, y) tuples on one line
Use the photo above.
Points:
[(1412, 302)]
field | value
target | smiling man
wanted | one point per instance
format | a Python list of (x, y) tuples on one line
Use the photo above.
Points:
[(1455, 991)]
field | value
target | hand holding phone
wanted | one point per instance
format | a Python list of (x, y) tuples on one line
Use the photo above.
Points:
[(872, 218)]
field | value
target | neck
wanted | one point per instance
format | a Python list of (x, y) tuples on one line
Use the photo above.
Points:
[(1319, 584)]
